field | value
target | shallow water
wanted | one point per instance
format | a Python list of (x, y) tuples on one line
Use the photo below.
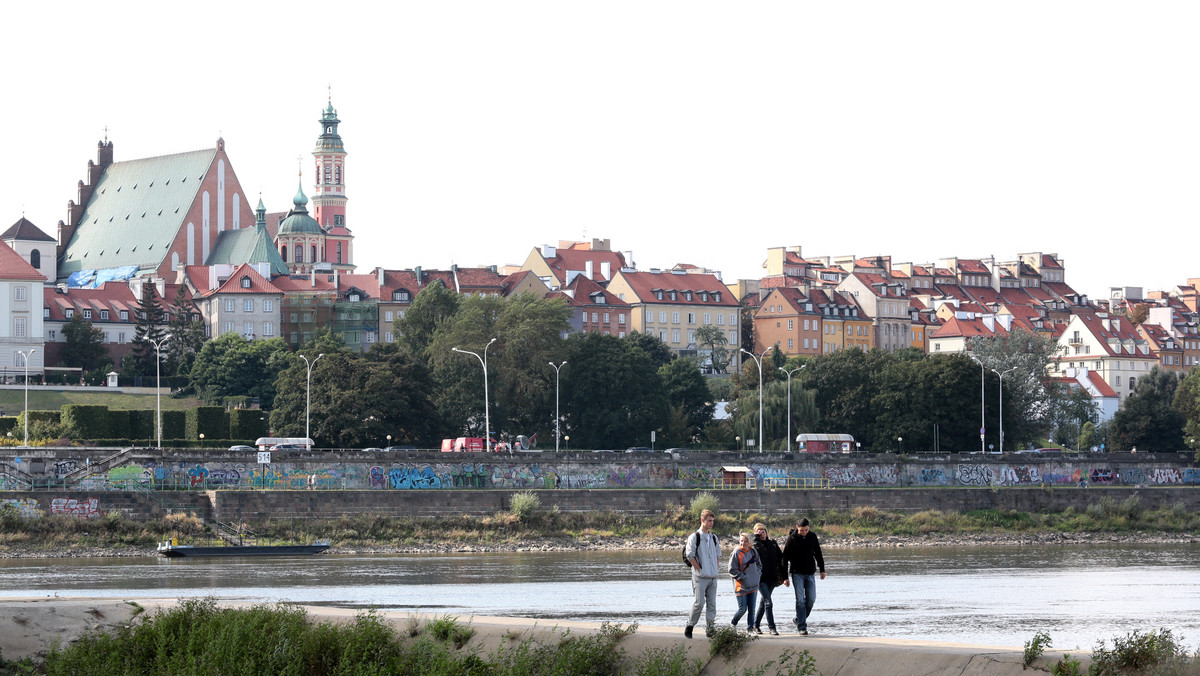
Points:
[(986, 595)]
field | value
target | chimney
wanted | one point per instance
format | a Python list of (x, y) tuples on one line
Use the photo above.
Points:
[(312, 277), (587, 269), (606, 270), (212, 278), (420, 277), (548, 251), (379, 271), (335, 279)]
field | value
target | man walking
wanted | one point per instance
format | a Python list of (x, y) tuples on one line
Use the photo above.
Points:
[(800, 552), (703, 553)]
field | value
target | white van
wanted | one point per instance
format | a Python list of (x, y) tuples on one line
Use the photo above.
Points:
[(283, 443)]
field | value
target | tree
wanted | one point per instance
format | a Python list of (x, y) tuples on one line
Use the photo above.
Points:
[(1030, 356), (84, 346), (711, 340), (1187, 405), (231, 366), (1070, 410), (432, 306), (654, 348), (358, 400), (188, 335), (529, 331), (1147, 420), (150, 329), (615, 397), (688, 395)]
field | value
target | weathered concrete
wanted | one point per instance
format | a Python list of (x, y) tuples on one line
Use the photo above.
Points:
[(28, 627)]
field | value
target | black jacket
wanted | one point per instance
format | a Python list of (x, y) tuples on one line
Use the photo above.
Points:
[(799, 553), (773, 569)]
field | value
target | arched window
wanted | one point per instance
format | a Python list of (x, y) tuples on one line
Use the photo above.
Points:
[(299, 253), (283, 253), (337, 174), (35, 258), (314, 253)]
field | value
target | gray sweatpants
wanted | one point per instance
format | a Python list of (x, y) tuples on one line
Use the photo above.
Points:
[(705, 589)]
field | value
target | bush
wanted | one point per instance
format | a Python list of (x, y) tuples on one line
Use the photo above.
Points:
[(211, 421), (1157, 652), (703, 500), (524, 505), (1034, 648), (86, 422), (728, 642), (448, 630), (247, 424)]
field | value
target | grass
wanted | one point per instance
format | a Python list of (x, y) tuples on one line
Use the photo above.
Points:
[(13, 400)]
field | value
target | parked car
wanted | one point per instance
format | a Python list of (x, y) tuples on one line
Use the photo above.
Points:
[(603, 450), (372, 450), (242, 448), (400, 448), (678, 450), (638, 449)]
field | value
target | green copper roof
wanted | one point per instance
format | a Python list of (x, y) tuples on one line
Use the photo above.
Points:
[(298, 222), (248, 245), (135, 212)]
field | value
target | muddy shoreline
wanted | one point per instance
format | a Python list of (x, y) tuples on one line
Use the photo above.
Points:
[(595, 543)]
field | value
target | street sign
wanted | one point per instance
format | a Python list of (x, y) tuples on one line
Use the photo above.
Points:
[(264, 457)]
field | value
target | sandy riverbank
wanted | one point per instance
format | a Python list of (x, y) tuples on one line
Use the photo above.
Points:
[(595, 543), (29, 626)]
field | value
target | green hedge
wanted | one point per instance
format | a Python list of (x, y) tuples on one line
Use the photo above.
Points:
[(54, 417), (248, 423), (118, 423), (174, 425), (141, 424), (87, 422), (211, 421), (8, 423)]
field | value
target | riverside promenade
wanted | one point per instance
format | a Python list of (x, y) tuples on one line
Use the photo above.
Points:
[(28, 626)]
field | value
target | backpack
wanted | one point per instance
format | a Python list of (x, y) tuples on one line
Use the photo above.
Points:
[(685, 558)]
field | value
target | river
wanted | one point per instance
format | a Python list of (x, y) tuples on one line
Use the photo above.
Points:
[(985, 595)]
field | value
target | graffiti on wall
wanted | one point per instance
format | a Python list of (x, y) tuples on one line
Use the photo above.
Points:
[(974, 475), (411, 477), (852, 475), (27, 508), (931, 477), (88, 508)]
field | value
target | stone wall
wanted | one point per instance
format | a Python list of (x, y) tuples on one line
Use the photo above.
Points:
[(197, 469), (242, 505)]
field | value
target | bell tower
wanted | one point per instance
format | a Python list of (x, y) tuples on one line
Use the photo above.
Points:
[(329, 198)]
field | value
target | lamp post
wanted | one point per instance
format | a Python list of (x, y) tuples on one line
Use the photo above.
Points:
[(758, 360), (158, 383), (789, 420), (389, 444), (982, 423), (308, 396), (901, 440), (487, 421), (27, 354), (567, 439), (1001, 374), (557, 417)]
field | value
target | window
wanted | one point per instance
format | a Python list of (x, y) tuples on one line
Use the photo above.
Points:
[(268, 329), (733, 337), (621, 319), (650, 316), (387, 316), (354, 298), (35, 258), (662, 317), (268, 305), (595, 317), (662, 335), (19, 327), (51, 338), (691, 337), (248, 305), (389, 337), (299, 254), (20, 292), (707, 318), (401, 296), (120, 336), (87, 314), (732, 319), (674, 317), (674, 335), (246, 282), (791, 324), (124, 315), (283, 255), (228, 327), (229, 305), (792, 343), (45, 313), (691, 318), (606, 318), (314, 253), (249, 326), (370, 336), (339, 244), (720, 319)]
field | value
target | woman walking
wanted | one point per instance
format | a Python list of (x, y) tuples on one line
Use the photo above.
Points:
[(745, 567), (773, 575)]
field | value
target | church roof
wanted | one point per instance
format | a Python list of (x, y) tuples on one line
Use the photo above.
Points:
[(26, 231), (247, 245), (136, 211), (298, 222)]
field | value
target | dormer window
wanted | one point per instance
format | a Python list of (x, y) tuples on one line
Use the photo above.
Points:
[(400, 295), (716, 296), (104, 315), (246, 282), (704, 296), (87, 314), (354, 297), (658, 295), (124, 315), (688, 296), (674, 296)]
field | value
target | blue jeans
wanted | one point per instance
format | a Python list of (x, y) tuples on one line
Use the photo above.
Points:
[(745, 607), (805, 587), (765, 607)]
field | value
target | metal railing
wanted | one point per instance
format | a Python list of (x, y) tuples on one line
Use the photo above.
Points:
[(786, 483)]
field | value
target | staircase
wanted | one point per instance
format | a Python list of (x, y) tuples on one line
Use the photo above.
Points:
[(105, 464)]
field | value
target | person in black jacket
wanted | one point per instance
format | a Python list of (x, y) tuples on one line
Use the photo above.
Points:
[(772, 576), (800, 552)]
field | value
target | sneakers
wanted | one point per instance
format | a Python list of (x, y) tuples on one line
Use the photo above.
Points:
[(804, 632), (774, 633), (757, 630), (687, 631)]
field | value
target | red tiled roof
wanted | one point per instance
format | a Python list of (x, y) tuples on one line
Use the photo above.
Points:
[(13, 267), (576, 259), (972, 266), (479, 279), (586, 293), (258, 283), (644, 284), (111, 296), (1103, 387), (968, 328)]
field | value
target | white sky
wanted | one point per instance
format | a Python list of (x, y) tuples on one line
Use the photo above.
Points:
[(698, 132)]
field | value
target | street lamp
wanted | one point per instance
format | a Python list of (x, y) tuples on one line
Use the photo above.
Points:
[(1001, 374), (567, 439), (389, 444), (158, 382), (557, 417), (982, 424), (789, 420), (758, 360), (27, 354), (901, 440), (308, 396), (487, 421)]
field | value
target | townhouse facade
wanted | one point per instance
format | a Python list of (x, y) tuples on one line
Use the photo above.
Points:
[(672, 305)]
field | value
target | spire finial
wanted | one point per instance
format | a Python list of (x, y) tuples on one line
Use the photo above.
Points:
[(106, 134)]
